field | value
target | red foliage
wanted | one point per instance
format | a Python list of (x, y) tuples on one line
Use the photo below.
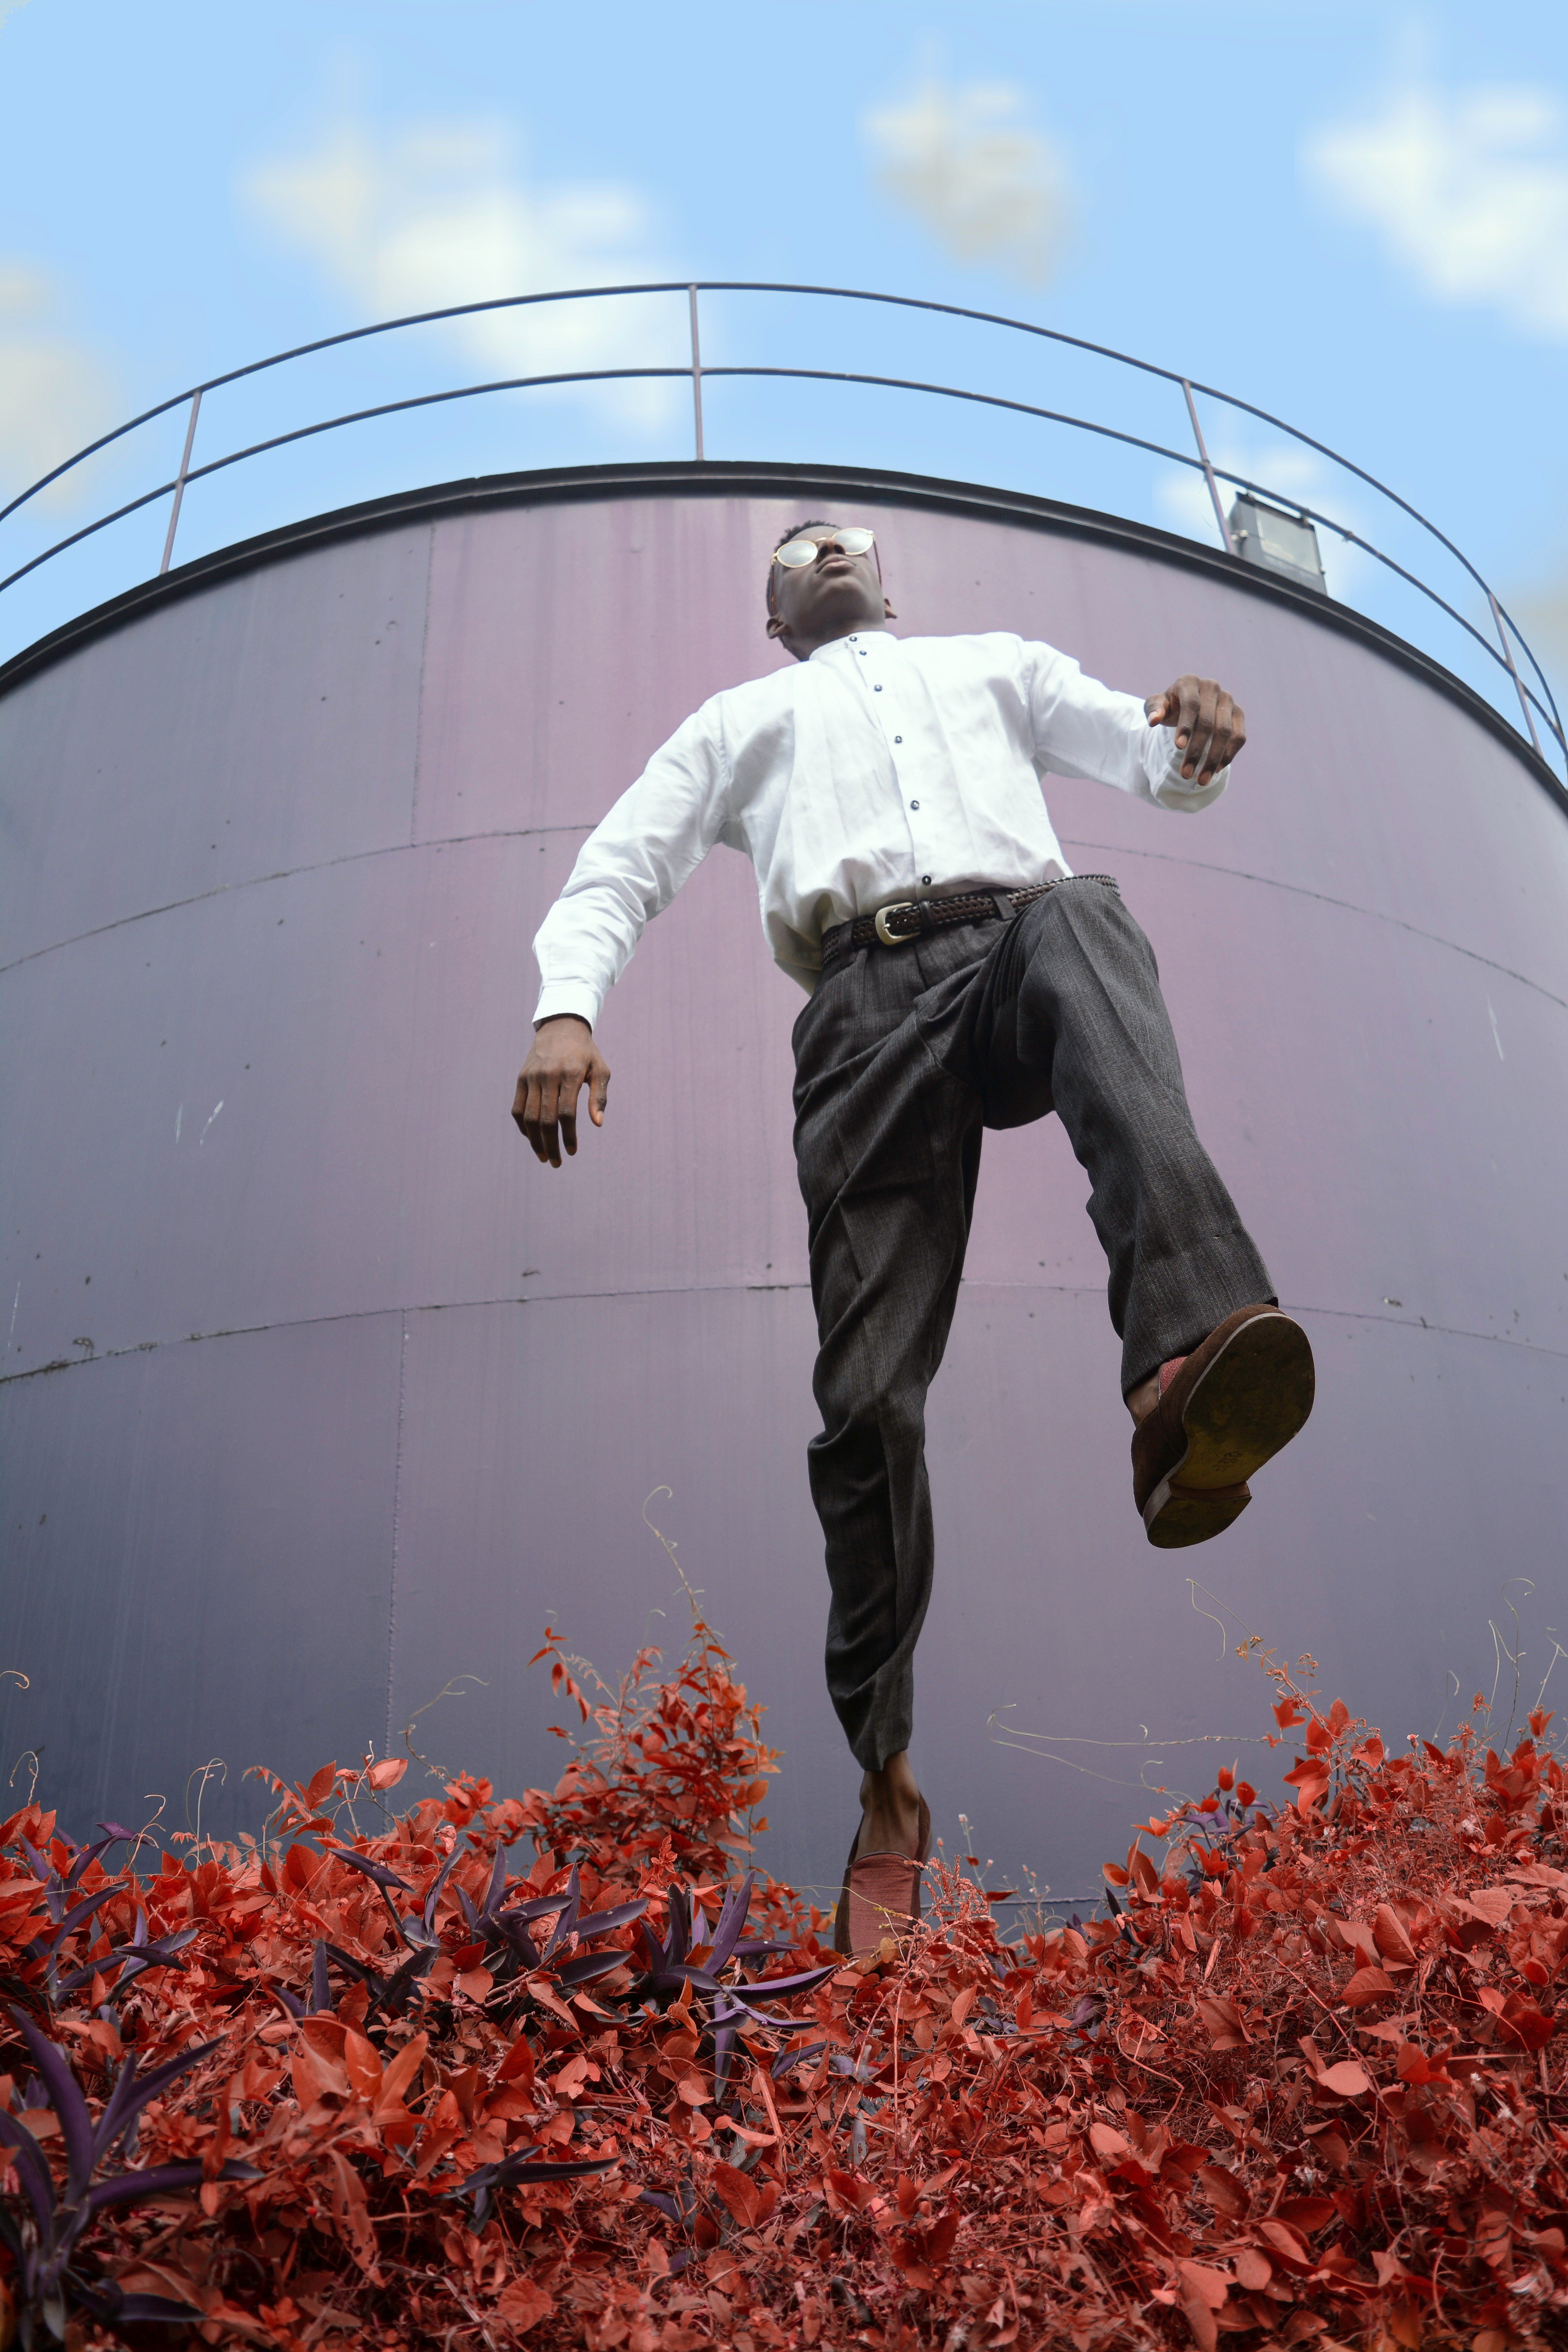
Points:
[(1300, 2083)]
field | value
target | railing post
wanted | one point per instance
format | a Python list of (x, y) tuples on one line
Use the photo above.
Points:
[(695, 373), (180, 479), (1209, 470), (1518, 683)]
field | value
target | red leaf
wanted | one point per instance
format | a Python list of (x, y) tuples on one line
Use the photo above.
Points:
[(1227, 2030), (1306, 2212), (846, 2192), (524, 2304), (738, 2194), (1532, 2026), (1226, 2193), (1366, 1985), (936, 2243), (1286, 2243)]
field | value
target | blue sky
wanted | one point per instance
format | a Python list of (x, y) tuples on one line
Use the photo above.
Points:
[(1354, 215)]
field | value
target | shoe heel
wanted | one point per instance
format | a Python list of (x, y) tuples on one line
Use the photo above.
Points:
[(1175, 1515)]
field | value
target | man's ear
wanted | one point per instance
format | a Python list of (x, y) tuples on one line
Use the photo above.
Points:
[(776, 624), (887, 611)]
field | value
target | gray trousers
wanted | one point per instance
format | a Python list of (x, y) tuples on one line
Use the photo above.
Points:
[(903, 1056)]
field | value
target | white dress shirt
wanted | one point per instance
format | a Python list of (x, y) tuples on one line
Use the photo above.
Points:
[(880, 770)]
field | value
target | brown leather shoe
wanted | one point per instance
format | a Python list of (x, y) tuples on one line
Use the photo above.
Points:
[(1222, 1411), (881, 1894)]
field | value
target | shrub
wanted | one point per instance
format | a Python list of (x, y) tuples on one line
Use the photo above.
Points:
[(1297, 2084)]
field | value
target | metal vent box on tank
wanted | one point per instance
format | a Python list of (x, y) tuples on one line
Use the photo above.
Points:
[(1278, 541)]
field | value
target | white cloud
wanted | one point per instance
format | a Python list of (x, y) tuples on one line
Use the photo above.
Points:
[(1542, 614), (1470, 191), (55, 393), (989, 188), (438, 213)]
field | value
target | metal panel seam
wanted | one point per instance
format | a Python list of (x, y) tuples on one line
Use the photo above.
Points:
[(714, 1290), (419, 707), (526, 833), (287, 874), (396, 1531), (1324, 899)]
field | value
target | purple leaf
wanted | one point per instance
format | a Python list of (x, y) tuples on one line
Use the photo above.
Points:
[(587, 1966), (661, 2204), (130, 2095), (439, 1882), (377, 1870), (536, 1907), (732, 1919), (66, 2098), (773, 1988), (567, 1922), (517, 1935), (49, 1945), (605, 1923), (497, 1886), (157, 2180), (32, 2166), (789, 2058)]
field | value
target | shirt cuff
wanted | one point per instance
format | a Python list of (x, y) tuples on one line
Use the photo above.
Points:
[(1174, 792), (1189, 799), (558, 996)]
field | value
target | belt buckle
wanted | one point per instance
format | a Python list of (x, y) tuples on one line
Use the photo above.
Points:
[(900, 907)]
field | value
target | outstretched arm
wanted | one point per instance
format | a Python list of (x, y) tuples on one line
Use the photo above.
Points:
[(1211, 728), (563, 1060), (631, 867), (1171, 748)]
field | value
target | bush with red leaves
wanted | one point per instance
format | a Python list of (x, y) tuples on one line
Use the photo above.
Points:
[(1302, 2082)]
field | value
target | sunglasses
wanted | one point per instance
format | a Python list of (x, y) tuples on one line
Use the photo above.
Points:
[(796, 553)]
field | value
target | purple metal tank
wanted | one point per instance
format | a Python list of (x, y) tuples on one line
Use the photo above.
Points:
[(320, 1393)]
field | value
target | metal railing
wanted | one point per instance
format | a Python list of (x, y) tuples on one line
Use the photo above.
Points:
[(1533, 704)]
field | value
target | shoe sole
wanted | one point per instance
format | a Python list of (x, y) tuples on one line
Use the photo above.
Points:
[(1251, 1402)]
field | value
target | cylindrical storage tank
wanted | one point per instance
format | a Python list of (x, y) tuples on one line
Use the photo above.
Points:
[(321, 1396)]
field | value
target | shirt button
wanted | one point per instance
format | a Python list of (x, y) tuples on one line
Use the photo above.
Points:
[(914, 804), (926, 879), (898, 738), (876, 689)]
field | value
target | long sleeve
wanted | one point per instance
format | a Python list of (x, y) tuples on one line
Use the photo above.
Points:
[(631, 867), (1084, 729)]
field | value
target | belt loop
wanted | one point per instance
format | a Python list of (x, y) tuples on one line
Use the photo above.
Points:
[(927, 919), (1002, 902)]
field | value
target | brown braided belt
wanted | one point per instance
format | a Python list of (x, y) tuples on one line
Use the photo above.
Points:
[(910, 918)]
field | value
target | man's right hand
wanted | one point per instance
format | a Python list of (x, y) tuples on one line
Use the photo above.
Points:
[(564, 1059)]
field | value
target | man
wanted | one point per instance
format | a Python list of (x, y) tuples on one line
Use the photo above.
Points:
[(888, 794)]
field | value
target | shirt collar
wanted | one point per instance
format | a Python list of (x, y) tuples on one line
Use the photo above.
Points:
[(836, 645)]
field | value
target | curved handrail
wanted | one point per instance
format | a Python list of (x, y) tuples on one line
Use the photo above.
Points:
[(1529, 699)]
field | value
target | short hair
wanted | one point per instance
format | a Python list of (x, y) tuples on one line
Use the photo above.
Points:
[(813, 522)]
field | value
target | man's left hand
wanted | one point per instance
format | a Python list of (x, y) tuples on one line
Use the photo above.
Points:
[(1210, 727)]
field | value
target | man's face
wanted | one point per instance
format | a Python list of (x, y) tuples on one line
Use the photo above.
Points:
[(818, 601)]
